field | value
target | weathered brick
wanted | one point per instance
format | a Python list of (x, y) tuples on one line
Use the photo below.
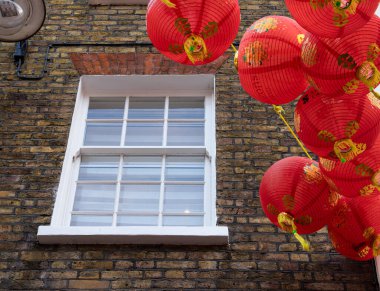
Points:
[(174, 274), (175, 264), (88, 284), (92, 265), (324, 286)]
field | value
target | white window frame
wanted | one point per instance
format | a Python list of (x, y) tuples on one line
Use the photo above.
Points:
[(59, 231)]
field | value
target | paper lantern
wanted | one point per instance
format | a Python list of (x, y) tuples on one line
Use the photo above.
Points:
[(346, 233), (268, 60), (295, 197), (367, 213), (347, 65), (337, 128), (360, 177), (332, 19), (192, 32)]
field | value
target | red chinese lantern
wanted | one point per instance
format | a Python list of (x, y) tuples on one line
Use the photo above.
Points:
[(346, 233), (337, 127), (268, 60), (367, 212), (295, 197), (346, 65), (360, 177), (332, 19), (192, 32)]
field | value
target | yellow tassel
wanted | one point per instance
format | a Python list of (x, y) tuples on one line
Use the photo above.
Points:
[(236, 60), (286, 222), (168, 3), (305, 244), (376, 246)]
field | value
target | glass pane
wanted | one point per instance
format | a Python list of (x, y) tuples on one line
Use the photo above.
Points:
[(124, 220), (106, 108), (91, 220), (139, 198), (99, 168), (182, 221), (103, 134), (183, 198), (186, 107), (185, 134), (144, 134), (142, 168), (94, 197), (185, 168), (146, 108)]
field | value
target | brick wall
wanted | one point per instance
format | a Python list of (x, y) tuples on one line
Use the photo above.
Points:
[(34, 123)]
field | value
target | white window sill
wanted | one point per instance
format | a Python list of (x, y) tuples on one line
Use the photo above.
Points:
[(217, 235), (117, 2)]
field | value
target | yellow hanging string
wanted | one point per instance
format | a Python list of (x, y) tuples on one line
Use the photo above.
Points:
[(279, 110), (286, 222), (234, 48), (168, 3)]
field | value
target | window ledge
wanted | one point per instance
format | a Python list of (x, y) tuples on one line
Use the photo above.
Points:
[(217, 235), (117, 2)]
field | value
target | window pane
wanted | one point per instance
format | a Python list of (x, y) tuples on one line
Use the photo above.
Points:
[(183, 198), (179, 168), (142, 168), (94, 197), (144, 134), (103, 134), (186, 107), (146, 108), (185, 134), (91, 220), (124, 220), (182, 220), (139, 198), (99, 168), (106, 108)]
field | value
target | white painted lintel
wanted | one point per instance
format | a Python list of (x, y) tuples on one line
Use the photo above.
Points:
[(172, 235)]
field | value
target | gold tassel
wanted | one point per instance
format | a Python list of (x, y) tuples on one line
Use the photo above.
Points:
[(305, 244), (168, 3), (376, 246), (286, 222)]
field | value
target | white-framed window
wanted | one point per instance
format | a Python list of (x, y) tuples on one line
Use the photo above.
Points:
[(140, 163)]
